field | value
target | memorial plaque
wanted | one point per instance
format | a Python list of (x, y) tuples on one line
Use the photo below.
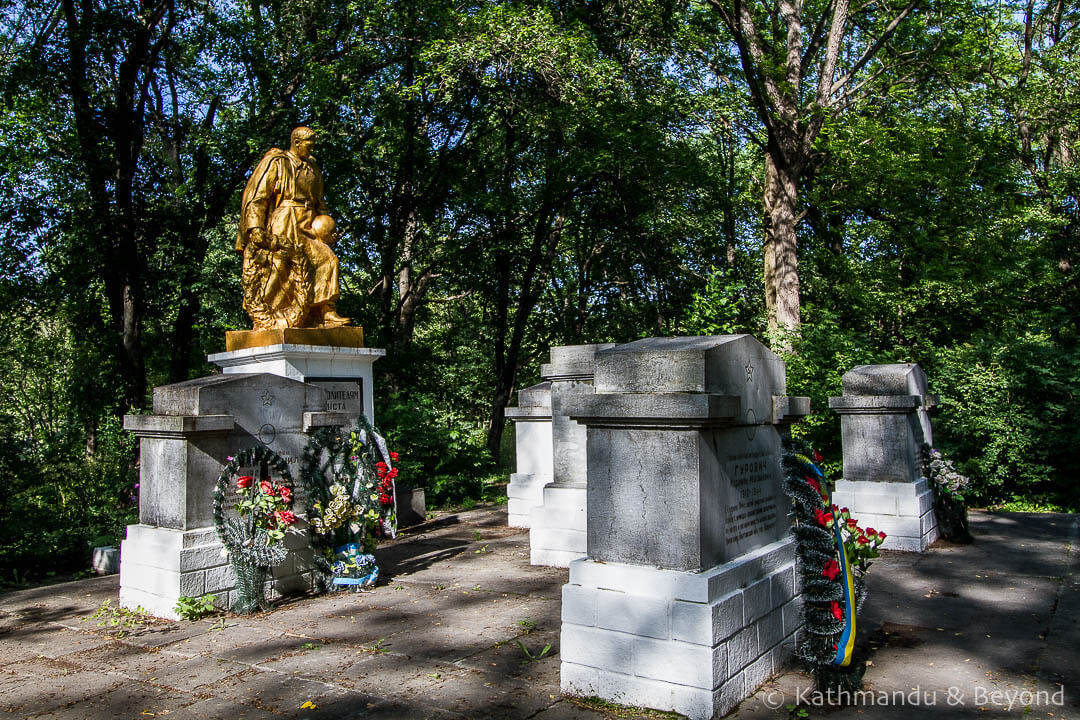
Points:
[(684, 441), (342, 395), (755, 507), (687, 521)]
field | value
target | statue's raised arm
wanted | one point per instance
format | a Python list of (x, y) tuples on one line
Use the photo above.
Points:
[(290, 274)]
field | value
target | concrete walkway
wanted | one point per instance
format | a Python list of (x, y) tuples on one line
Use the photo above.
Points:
[(440, 639)]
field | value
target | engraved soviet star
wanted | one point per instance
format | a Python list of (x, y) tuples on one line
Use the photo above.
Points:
[(267, 398), (749, 372)]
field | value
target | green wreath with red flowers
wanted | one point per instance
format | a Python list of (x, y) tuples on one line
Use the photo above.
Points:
[(261, 506), (252, 527), (822, 531)]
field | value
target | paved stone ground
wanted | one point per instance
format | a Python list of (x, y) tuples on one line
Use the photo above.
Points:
[(440, 639)]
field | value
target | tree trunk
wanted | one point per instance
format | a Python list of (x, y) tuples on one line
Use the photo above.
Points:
[(503, 373), (781, 264)]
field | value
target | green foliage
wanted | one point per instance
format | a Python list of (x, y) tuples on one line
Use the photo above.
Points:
[(529, 656), (195, 608), (510, 176), (119, 621), (442, 451), (58, 502)]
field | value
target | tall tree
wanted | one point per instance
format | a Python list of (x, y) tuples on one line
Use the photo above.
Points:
[(803, 61)]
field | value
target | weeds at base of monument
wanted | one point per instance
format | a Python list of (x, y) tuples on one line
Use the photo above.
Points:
[(119, 621), (529, 657), (195, 608)]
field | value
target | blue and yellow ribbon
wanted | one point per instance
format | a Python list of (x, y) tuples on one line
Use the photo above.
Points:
[(846, 643), (847, 638)]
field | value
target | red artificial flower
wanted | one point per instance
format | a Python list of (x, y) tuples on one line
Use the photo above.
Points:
[(862, 540), (831, 569), (880, 538), (393, 456), (392, 474), (266, 487), (871, 533), (244, 482), (817, 456), (286, 493), (380, 466), (837, 611), (824, 519), (852, 524), (287, 517), (384, 499), (845, 513), (835, 510)]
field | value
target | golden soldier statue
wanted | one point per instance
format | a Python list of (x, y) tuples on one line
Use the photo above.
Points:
[(290, 274)]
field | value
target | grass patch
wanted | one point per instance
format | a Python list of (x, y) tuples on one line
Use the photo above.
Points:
[(610, 709)]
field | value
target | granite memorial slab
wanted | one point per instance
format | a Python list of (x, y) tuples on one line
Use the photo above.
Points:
[(557, 531), (196, 425), (686, 600), (884, 422)]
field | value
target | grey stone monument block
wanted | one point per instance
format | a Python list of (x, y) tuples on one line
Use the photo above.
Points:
[(571, 374), (174, 550), (410, 505), (884, 423), (557, 524), (197, 423), (684, 439), (686, 600)]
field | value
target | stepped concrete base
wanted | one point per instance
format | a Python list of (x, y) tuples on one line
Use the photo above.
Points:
[(557, 532), (162, 564), (694, 643), (524, 492), (905, 511)]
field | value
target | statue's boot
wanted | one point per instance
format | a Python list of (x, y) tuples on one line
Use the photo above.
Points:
[(331, 319)]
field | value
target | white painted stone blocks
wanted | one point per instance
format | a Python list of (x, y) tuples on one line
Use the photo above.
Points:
[(557, 532), (695, 643), (162, 564), (633, 614), (562, 539), (553, 558), (524, 492), (904, 511)]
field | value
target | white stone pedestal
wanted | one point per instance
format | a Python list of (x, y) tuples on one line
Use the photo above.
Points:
[(335, 368), (162, 564), (174, 550), (532, 445), (558, 533), (903, 510), (695, 643)]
